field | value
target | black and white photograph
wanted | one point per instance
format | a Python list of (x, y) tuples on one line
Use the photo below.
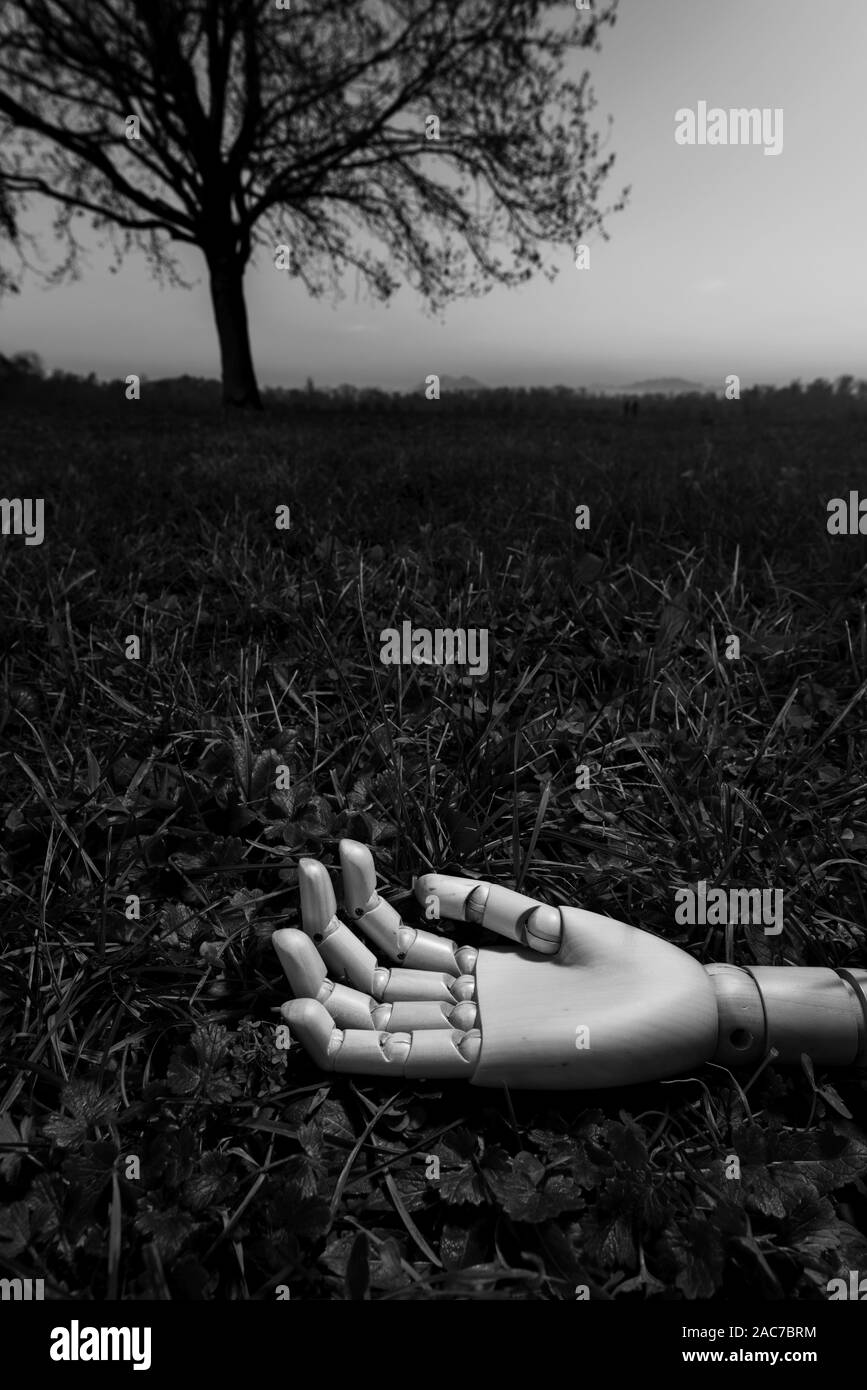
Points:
[(433, 660)]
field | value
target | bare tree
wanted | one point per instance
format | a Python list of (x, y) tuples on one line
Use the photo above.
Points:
[(438, 142), (8, 233)]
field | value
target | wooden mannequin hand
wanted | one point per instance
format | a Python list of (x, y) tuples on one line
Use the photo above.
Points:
[(579, 1001)]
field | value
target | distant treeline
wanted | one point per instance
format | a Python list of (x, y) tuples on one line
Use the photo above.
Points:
[(24, 379)]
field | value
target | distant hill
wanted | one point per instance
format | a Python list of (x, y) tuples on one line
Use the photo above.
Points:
[(665, 386), (453, 383)]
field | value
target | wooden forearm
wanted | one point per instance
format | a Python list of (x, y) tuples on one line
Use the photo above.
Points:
[(794, 1009)]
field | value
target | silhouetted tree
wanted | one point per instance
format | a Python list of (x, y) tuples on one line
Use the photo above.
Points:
[(28, 364), (311, 125), (819, 390), (8, 232)]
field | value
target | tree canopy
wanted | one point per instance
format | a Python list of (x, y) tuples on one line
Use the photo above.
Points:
[(439, 143)]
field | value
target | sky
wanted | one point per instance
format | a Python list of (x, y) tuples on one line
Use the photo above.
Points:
[(726, 260)]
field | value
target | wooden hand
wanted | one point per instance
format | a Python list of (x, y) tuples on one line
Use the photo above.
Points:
[(578, 1002)]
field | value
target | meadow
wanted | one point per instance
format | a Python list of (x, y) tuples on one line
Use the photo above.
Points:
[(155, 1141)]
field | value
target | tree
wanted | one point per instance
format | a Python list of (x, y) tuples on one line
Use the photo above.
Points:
[(8, 232), (819, 390), (435, 141)]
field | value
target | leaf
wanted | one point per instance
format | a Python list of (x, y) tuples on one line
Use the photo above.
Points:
[(210, 1043), (387, 1272), (9, 1162), (700, 1253), (333, 1122), (360, 794), (44, 1206), (307, 1216), (87, 1105), (358, 1269), (336, 1254), (643, 1282), (262, 776), (454, 1242), (240, 910), (307, 1172), (460, 1180), (626, 1142), (169, 1229), (183, 1078), (609, 1240), (317, 819), (832, 1098), (171, 1156), (14, 1229), (825, 1159), (415, 1189), (516, 1188), (761, 946), (189, 864), (751, 1142), (558, 1195), (761, 1191), (566, 1155), (814, 1230), (461, 1184), (204, 1187), (827, 1092), (284, 799), (241, 755), (179, 921), (89, 1171), (94, 776)]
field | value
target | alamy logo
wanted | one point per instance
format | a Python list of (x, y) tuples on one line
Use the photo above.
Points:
[(17, 518), (740, 126), (22, 1289), (444, 646), (847, 518), (716, 907), (75, 1343), (856, 1288)]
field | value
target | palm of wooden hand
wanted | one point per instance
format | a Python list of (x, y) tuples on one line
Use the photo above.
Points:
[(580, 1001)]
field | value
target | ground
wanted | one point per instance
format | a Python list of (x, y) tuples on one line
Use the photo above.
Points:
[(155, 1140)]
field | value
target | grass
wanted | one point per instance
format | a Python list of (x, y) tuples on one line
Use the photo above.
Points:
[(155, 1142)]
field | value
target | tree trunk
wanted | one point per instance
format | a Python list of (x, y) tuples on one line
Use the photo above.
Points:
[(230, 311)]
